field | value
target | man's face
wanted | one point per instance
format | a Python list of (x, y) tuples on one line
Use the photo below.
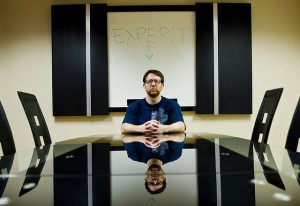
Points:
[(155, 177), (153, 85)]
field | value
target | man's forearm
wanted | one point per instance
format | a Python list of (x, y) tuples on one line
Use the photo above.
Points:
[(130, 128), (175, 137), (128, 138), (175, 127)]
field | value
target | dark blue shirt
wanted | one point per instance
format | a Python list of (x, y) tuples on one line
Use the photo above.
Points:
[(167, 112), (167, 152)]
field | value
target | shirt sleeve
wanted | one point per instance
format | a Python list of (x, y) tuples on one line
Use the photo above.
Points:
[(175, 150), (131, 149), (175, 114), (138, 151), (130, 116)]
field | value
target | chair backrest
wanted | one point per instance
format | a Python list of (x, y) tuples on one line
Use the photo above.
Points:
[(294, 130), (265, 115), (6, 137), (35, 118)]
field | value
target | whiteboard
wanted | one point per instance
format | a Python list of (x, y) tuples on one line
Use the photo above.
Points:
[(139, 41)]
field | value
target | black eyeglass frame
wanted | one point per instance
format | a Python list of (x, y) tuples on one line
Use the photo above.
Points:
[(150, 81)]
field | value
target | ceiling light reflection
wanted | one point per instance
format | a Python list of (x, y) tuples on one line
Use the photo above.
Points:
[(282, 197), (4, 201), (257, 182)]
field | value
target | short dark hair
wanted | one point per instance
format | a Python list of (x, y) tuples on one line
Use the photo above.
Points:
[(160, 190), (156, 72)]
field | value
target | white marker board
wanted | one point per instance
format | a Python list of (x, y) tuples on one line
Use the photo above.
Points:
[(139, 41)]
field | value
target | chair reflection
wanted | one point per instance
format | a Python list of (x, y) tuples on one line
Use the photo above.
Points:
[(295, 161), (35, 169), (5, 167), (230, 176), (268, 164)]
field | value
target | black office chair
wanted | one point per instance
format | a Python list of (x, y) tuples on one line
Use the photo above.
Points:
[(294, 130), (6, 137), (265, 115), (36, 118)]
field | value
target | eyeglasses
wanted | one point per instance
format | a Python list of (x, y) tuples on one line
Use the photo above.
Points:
[(150, 81), (155, 184)]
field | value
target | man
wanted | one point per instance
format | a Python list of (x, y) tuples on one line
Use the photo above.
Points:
[(154, 114)]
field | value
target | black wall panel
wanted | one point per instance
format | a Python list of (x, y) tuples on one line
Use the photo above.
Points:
[(68, 60), (235, 58), (234, 48), (204, 59), (99, 59)]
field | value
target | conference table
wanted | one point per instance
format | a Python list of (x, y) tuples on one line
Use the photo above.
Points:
[(100, 170)]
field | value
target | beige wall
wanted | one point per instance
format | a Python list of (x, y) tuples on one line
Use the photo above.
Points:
[(25, 65)]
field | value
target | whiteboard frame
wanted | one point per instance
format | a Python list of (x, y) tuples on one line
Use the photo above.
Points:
[(151, 8)]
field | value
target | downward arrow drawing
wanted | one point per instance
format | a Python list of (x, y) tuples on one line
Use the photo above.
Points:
[(149, 54), (152, 201)]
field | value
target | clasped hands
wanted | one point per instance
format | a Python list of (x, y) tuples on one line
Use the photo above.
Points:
[(153, 127), (152, 140)]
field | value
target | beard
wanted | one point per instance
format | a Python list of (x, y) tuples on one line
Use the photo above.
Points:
[(155, 170), (153, 93)]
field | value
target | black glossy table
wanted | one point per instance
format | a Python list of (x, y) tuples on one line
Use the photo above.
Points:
[(209, 171)]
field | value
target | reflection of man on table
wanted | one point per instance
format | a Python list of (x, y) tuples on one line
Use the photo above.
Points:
[(155, 151)]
